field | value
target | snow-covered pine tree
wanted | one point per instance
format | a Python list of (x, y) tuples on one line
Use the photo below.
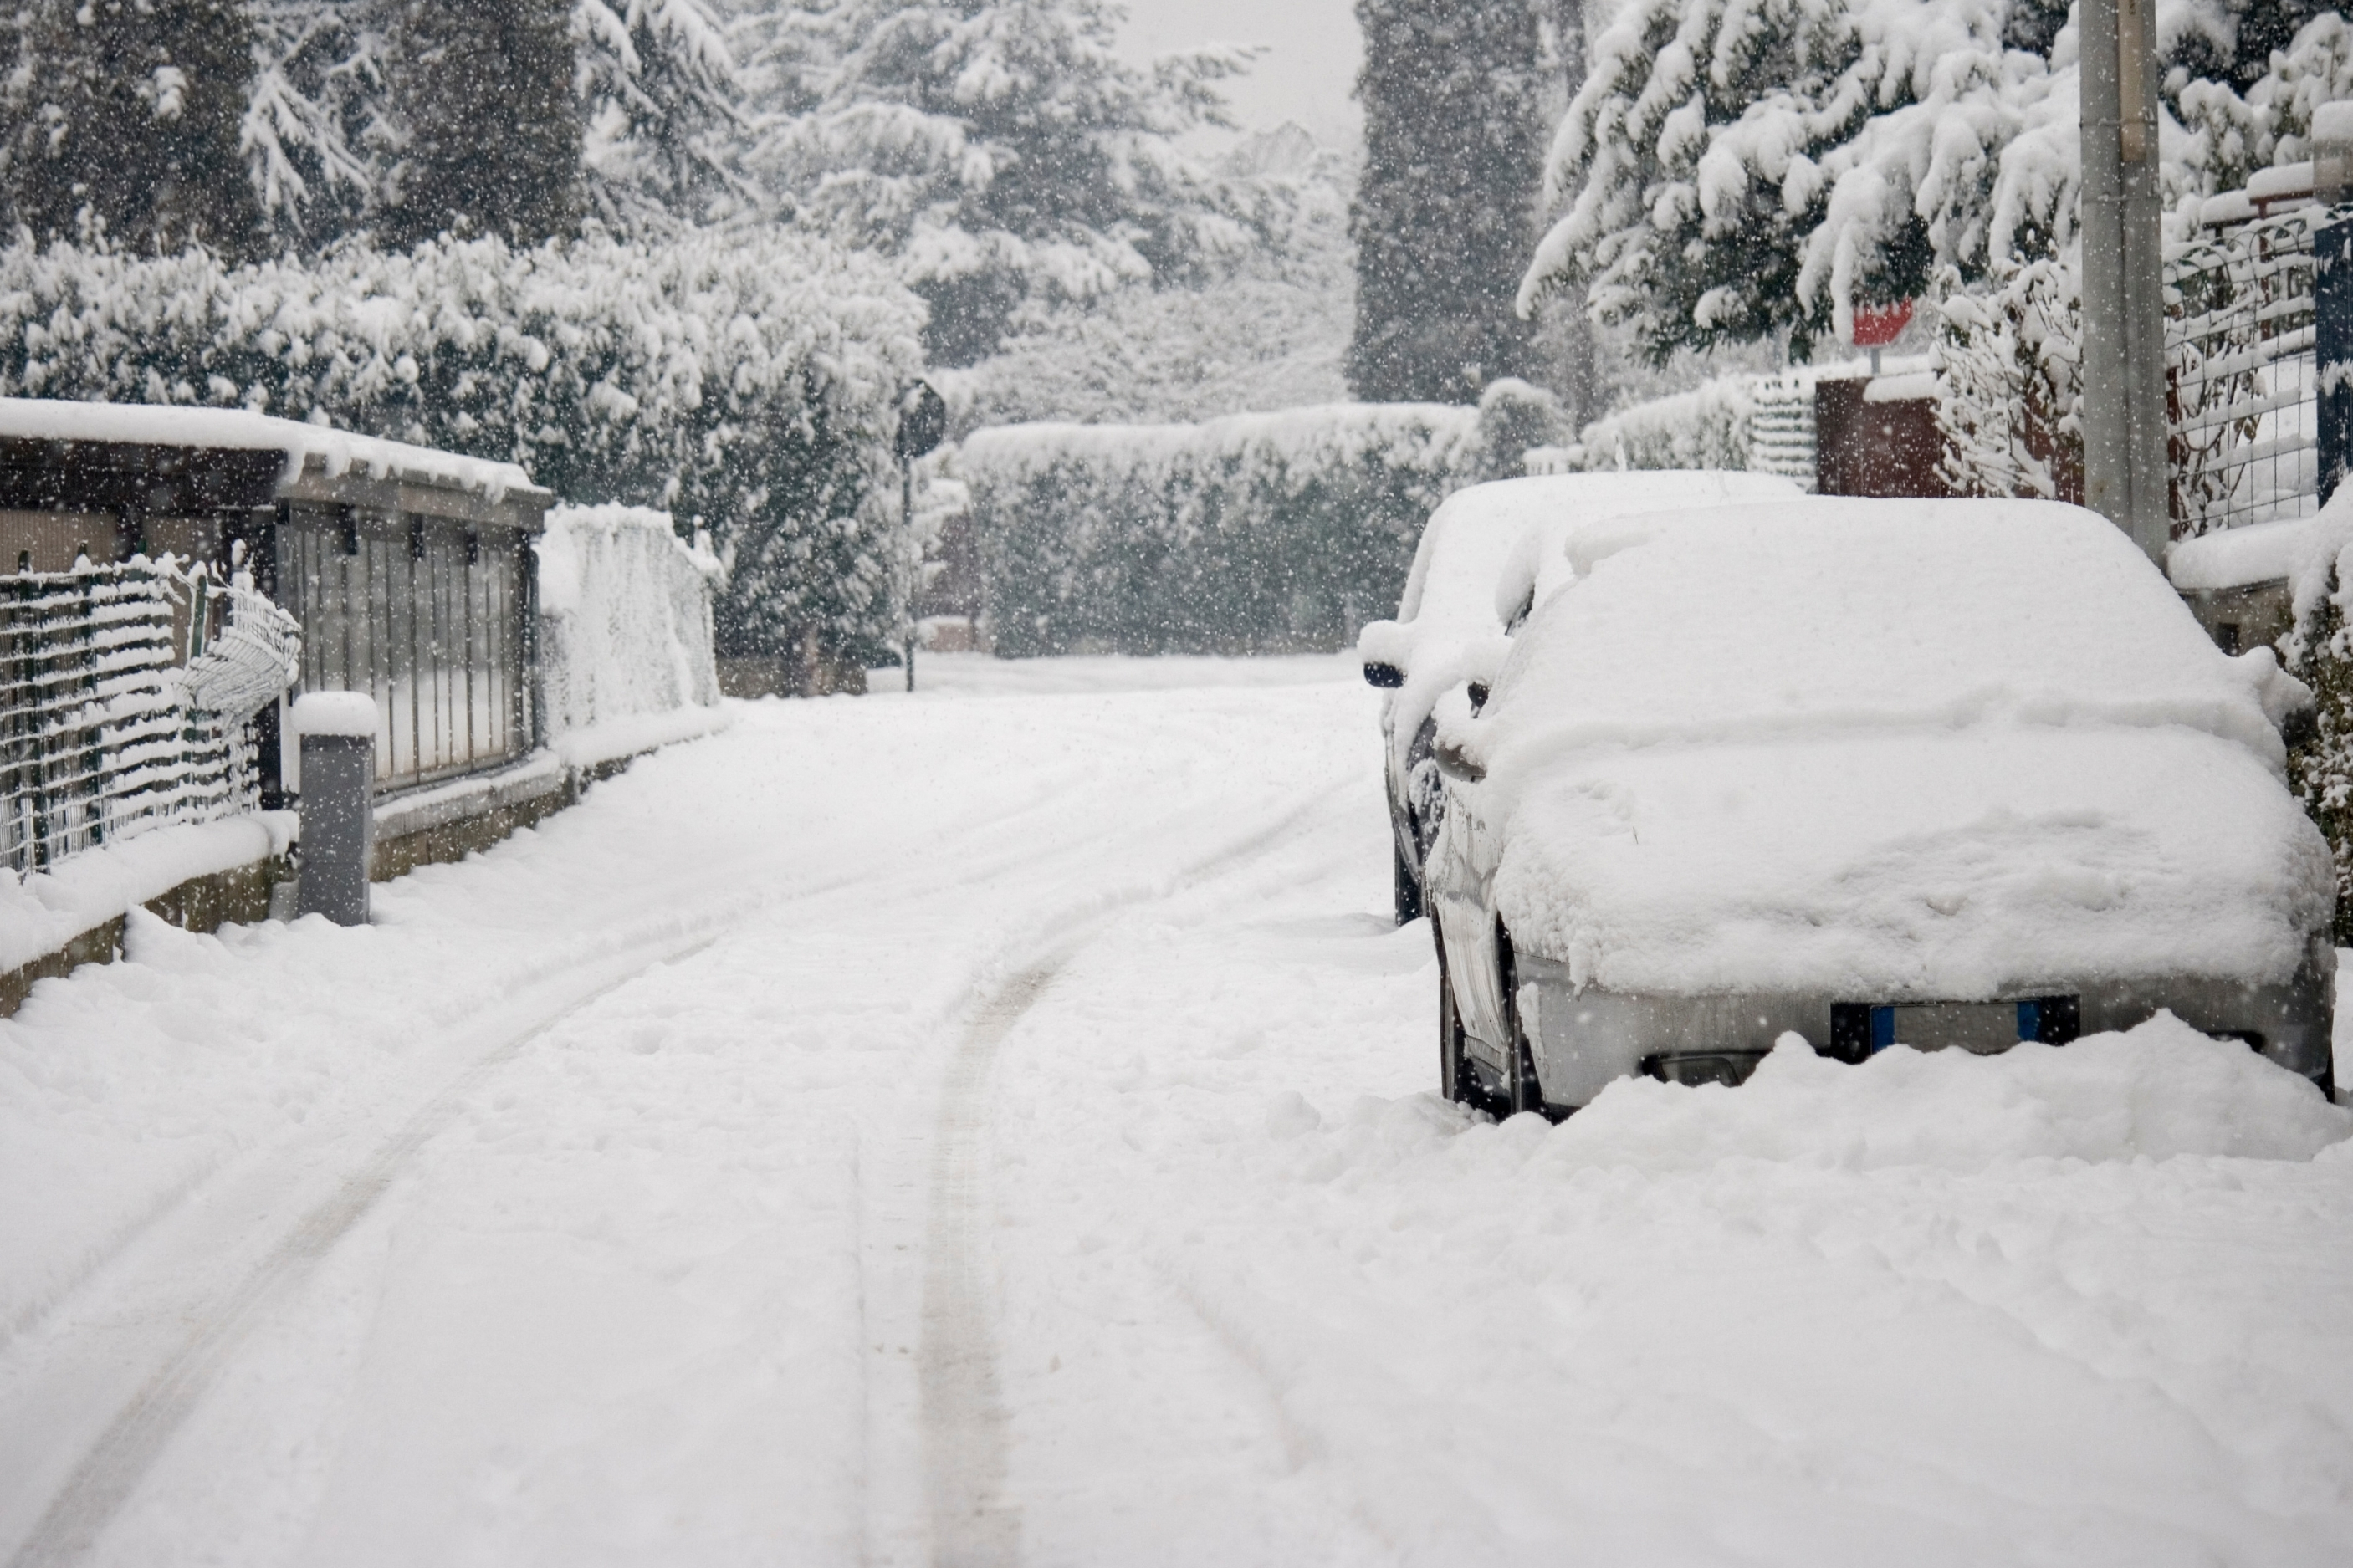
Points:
[(1001, 149), (662, 109), (1731, 171), (125, 114), (314, 126), (1453, 98), (482, 97)]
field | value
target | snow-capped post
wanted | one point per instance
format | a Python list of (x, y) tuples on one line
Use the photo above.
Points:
[(922, 421), (338, 735), (2124, 275)]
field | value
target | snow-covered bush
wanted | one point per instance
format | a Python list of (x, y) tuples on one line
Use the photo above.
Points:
[(1253, 532), (746, 381), (625, 622), (2010, 382), (1758, 421)]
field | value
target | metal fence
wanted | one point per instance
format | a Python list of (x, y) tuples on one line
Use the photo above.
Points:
[(427, 615), (2240, 378), (97, 742)]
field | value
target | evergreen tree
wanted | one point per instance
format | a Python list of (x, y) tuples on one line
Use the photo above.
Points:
[(1453, 95), (1000, 149), (125, 114), (315, 121), (482, 93), (661, 105)]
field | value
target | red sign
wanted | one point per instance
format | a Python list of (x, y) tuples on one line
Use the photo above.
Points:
[(1876, 326)]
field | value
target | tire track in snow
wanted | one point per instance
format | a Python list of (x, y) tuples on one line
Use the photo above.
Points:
[(113, 1466), (973, 1523)]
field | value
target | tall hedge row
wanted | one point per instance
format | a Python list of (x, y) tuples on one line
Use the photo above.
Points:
[(745, 380), (1258, 533)]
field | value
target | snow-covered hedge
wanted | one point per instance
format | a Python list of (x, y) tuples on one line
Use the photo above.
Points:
[(745, 380), (1252, 532), (1756, 422), (625, 657)]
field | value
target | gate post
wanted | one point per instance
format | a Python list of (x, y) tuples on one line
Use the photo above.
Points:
[(2332, 346), (338, 803)]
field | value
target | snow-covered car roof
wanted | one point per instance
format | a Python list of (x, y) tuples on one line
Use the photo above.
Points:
[(1475, 535), (1493, 548), (1886, 747)]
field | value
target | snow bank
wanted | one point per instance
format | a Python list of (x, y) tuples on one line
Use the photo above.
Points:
[(1257, 533), (41, 914), (2158, 1092), (1933, 748), (336, 452), (625, 632)]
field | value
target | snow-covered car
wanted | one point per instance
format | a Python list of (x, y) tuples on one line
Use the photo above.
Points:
[(1487, 555), (1930, 773)]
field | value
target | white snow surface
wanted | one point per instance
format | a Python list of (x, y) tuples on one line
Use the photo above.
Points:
[(337, 452), (350, 713), (1938, 748), (999, 1127)]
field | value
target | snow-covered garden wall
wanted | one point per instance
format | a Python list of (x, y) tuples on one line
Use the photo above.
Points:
[(625, 632), (745, 380), (1255, 533)]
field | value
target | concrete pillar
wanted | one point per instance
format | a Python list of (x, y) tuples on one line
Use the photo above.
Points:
[(337, 729), (2125, 466)]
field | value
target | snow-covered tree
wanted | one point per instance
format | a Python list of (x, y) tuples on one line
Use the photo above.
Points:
[(662, 102), (1734, 170), (1454, 101), (314, 124), (1000, 149), (122, 116), (482, 98)]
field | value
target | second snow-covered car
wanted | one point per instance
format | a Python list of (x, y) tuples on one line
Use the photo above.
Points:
[(1487, 555), (1925, 773)]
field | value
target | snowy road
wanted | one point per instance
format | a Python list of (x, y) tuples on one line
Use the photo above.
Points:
[(992, 1128)]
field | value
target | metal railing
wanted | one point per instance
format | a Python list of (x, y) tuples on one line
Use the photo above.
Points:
[(2240, 378), (98, 742)]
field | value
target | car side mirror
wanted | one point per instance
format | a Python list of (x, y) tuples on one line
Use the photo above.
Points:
[(1388, 676)]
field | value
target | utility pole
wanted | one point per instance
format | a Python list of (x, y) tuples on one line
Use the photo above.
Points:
[(2125, 472)]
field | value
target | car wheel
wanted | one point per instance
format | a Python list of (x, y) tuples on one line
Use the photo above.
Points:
[(1455, 1079), (1524, 1092), (1407, 886)]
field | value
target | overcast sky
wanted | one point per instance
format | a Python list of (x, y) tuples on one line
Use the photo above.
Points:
[(1310, 64)]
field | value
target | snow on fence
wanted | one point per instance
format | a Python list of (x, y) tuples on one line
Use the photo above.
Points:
[(625, 632), (2241, 382), (102, 735), (1256, 532)]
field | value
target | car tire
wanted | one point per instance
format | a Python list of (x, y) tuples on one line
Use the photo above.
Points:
[(1524, 1091), (1456, 1082), (1406, 886)]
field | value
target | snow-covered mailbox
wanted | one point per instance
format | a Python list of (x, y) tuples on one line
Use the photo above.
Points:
[(408, 569)]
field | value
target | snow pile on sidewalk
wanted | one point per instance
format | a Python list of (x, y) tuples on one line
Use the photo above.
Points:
[(49, 909), (625, 628)]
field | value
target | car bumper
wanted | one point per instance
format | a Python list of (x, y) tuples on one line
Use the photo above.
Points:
[(1584, 1039)]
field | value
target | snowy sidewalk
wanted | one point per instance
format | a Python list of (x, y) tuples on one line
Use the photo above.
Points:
[(994, 1128)]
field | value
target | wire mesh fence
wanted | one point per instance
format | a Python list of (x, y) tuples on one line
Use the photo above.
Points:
[(98, 741), (2241, 375)]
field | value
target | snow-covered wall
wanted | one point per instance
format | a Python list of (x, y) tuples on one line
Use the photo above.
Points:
[(1254, 532), (626, 656)]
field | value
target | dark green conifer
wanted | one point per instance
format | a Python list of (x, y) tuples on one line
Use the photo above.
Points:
[(482, 93), (1445, 215), (122, 115)]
